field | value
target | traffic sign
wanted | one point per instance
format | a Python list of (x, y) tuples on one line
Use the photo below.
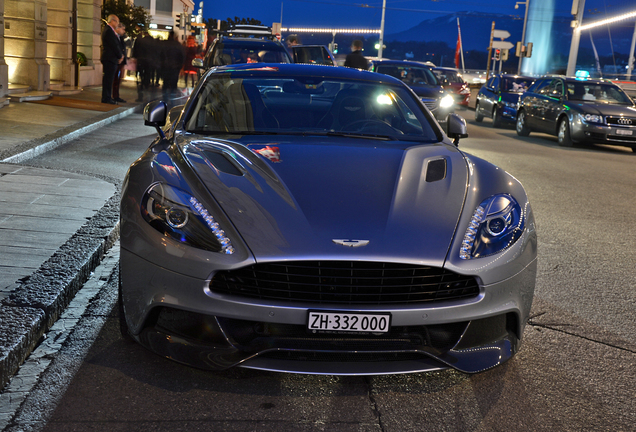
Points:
[(502, 44), (502, 34)]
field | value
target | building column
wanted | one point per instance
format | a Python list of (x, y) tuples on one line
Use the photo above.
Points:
[(4, 68), (89, 40), (59, 52), (25, 34)]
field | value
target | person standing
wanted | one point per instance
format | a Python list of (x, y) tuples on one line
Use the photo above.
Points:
[(142, 52), (172, 58), (191, 51), (121, 68), (112, 56), (355, 59)]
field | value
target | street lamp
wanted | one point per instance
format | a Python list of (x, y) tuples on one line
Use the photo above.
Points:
[(382, 30), (523, 33)]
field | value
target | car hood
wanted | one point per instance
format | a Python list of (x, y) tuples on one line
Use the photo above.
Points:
[(510, 97), (293, 199), (432, 92), (605, 109)]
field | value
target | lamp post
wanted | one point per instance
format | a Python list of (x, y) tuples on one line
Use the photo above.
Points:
[(382, 30), (578, 6), (523, 32)]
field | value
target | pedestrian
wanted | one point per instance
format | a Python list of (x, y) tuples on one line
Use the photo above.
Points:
[(355, 59), (292, 40), (142, 52), (172, 58), (192, 50), (121, 69), (112, 56)]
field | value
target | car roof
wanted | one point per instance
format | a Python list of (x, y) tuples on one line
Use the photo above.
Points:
[(402, 62), (513, 76), (579, 80), (440, 68), (304, 70)]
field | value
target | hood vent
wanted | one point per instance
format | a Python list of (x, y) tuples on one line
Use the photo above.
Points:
[(223, 163), (436, 170)]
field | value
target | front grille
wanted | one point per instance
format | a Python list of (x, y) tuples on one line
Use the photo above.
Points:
[(345, 283), (621, 121), (431, 104)]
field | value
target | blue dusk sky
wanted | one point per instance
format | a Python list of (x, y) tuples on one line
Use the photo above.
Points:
[(400, 14)]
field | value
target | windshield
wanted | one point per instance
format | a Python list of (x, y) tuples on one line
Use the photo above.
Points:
[(516, 85), (448, 77), (411, 75), (250, 52), (599, 93), (308, 105)]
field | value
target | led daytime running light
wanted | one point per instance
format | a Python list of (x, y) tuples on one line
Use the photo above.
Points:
[(471, 233), (226, 244)]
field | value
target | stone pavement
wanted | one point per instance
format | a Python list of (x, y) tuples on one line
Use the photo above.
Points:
[(55, 226)]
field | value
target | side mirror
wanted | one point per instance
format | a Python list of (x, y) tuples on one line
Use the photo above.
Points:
[(197, 63), (456, 128), (155, 114)]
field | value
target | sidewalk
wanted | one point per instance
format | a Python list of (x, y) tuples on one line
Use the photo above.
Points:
[(55, 226)]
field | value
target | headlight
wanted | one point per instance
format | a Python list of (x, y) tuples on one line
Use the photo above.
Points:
[(180, 216), (510, 104), (496, 224), (447, 101), (591, 118)]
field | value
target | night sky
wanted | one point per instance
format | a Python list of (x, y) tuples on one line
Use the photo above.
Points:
[(400, 14)]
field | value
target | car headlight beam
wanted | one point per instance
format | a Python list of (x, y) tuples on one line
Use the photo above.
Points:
[(180, 216), (447, 101), (496, 224)]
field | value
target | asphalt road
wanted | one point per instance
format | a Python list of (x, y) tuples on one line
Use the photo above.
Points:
[(575, 370)]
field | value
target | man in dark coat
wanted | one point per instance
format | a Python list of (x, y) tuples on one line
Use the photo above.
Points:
[(172, 58), (142, 51), (121, 68), (112, 55), (355, 59)]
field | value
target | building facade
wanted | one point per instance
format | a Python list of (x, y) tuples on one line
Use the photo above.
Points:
[(40, 39)]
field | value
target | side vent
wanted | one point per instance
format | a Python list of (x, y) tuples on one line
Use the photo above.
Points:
[(223, 163), (436, 170)]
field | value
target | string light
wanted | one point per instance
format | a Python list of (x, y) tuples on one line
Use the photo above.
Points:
[(328, 30), (607, 21)]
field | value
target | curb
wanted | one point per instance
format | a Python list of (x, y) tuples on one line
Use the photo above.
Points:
[(38, 146), (38, 302)]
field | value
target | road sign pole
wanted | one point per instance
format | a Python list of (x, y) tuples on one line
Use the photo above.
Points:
[(492, 34)]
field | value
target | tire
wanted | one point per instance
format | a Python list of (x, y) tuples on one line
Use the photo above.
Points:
[(522, 128), (496, 120), (478, 116), (563, 133)]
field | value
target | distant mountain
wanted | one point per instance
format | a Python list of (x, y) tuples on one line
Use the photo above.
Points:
[(476, 26)]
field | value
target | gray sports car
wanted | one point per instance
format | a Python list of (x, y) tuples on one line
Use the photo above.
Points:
[(314, 219)]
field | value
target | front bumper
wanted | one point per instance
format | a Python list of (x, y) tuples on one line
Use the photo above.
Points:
[(604, 134), (178, 317), (508, 113)]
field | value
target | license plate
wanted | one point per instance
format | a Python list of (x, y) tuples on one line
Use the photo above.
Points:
[(348, 322), (624, 132)]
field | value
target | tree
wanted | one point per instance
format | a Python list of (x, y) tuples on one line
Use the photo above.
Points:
[(135, 18)]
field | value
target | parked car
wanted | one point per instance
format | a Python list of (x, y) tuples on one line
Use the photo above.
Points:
[(313, 54), (421, 79), (244, 44), (578, 111), (498, 98), (317, 219), (452, 81)]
